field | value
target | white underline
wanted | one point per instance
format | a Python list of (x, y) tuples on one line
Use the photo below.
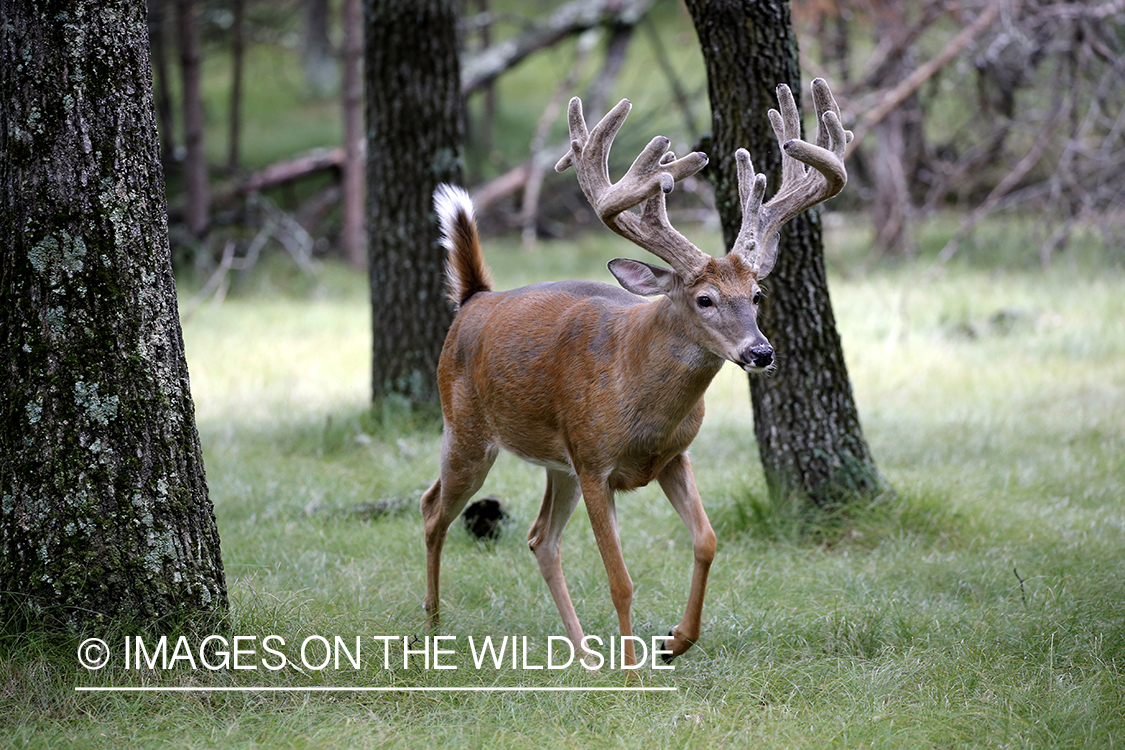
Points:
[(380, 689)]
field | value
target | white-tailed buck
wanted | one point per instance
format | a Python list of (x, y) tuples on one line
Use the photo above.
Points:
[(598, 385)]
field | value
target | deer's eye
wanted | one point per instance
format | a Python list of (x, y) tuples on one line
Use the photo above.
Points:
[(757, 299), (703, 301)]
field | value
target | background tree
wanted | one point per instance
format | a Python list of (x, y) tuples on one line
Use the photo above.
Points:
[(351, 201), (237, 50), (105, 509), (157, 25), (415, 116), (198, 212), (805, 418), (321, 67)]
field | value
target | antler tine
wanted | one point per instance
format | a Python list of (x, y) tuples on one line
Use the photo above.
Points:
[(827, 157), (653, 174), (751, 189), (810, 174), (786, 125), (824, 102)]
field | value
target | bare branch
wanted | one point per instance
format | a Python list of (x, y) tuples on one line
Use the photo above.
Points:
[(572, 18), (924, 72)]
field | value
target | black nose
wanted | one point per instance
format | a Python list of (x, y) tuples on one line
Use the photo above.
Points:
[(759, 356)]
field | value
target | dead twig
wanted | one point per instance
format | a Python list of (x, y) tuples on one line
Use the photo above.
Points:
[(1023, 591)]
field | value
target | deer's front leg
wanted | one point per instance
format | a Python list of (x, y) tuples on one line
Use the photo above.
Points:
[(603, 519), (678, 483)]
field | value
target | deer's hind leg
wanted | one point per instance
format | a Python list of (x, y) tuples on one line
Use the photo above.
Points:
[(559, 502), (464, 466), (603, 521)]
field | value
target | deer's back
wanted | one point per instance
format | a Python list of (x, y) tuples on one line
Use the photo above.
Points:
[(549, 372)]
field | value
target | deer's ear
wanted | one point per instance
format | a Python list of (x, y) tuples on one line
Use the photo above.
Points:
[(766, 257), (642, 278)]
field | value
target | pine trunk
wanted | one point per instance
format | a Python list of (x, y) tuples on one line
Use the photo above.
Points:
[(105, 511), (805, 418), (414, 133)]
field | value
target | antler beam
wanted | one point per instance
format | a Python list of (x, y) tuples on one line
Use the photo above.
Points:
[(652, 175), (810, 174)]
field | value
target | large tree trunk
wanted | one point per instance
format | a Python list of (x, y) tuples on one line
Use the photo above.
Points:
[(805, 417), (415, 117), (105, 511)]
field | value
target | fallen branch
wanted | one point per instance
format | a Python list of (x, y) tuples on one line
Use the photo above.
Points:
[(499, 188), (216, 285), (276, 225), (290, 170)]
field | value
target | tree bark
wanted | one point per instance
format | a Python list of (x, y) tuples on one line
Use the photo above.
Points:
[(105, 511), (805, 418), (195, 158), (415, 116)]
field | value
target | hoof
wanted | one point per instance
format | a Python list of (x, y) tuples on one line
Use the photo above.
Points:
[(667, 658)]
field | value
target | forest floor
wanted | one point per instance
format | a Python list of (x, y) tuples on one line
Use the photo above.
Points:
[(980, 604)]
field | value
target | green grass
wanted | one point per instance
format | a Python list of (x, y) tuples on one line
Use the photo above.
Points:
[(980, 606)]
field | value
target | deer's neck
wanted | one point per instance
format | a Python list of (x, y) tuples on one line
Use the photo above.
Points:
[(664, 356)]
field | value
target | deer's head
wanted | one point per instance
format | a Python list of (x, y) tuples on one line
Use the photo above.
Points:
[(718, 298)]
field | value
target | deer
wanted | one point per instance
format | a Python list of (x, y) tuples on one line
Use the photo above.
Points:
[(601, 385)]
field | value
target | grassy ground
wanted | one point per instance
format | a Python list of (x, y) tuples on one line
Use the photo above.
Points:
[(980, 606)]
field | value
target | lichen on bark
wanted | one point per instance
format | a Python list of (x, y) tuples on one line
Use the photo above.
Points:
[(105, 510)]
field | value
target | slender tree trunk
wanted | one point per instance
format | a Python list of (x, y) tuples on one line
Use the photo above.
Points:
[(415, 116), (488, 115), (805, 418), (321, 74), (105, 512), (891, 165), (351, 236), (195, 159), (236, 52), (157, 23)]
